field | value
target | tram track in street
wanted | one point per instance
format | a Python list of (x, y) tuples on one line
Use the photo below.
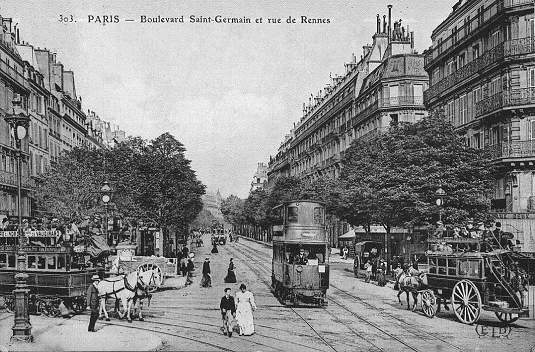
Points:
[(335, 317), (416, 332), (259, 275), (167, 332)]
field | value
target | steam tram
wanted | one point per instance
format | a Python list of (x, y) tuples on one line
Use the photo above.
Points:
[(300, 269), (54, 273)]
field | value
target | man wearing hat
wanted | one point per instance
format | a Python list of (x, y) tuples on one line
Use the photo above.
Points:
[(93, 302)]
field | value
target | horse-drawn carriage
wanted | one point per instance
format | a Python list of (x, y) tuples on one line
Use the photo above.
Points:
[(472, 276), (55, 273), (126, 262)]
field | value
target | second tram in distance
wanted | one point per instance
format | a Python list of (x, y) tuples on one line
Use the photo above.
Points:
[(300, 265)]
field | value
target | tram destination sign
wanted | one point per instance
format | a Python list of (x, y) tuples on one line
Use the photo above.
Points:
[(49, 233)]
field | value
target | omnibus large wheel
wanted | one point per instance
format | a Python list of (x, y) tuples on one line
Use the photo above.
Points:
[(159, 275), (507, 318), (428, 303), (466, 302)]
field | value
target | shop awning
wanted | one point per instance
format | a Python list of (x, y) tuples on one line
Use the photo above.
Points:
[(348, 235)]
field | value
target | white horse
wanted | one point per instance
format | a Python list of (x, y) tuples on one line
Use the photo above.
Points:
[(125, 288)]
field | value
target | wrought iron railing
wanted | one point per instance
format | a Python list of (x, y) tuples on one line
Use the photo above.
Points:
[(449, 43), (408, 100), (520, 46), (10, 179), (507, 98), (517, 149)]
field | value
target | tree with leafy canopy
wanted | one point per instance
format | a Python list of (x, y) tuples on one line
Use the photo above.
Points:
[(391, 180), (153, 182), (232, 209)]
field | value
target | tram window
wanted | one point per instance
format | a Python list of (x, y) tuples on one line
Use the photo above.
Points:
[(442, 266), (41, 262), (61, 262), (463, 268), (51, 262), (10, 261), (318, 216), (452, 266), (292, 214), (474, 268), (32, 262), (3, 260)]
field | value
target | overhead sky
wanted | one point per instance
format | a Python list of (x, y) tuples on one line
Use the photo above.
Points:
[(228, 92)]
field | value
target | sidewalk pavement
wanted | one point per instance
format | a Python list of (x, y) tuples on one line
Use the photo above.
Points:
[(58, 334)]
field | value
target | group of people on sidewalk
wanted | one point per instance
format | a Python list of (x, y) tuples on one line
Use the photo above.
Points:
[(376, 270)]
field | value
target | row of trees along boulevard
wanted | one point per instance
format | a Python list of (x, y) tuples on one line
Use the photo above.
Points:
[(389, 180), (153, 186)]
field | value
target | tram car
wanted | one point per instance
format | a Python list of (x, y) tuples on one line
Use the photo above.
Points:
[(472, 276), (300, 265), (56, 273), (219, 237)]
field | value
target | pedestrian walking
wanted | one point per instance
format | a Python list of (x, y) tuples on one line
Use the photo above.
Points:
[(368, 267), (346, 252), (183, 266), (228, 312), (93, 302), (206, 280), (381, 272), (245, 305), (214, 249), (231, 277), (189, 268)]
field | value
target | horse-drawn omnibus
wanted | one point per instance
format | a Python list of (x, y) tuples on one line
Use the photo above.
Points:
[(55, 274), (472, 276), (300, 269)]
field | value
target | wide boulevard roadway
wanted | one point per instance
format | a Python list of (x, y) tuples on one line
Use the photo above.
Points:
[(359, 317)]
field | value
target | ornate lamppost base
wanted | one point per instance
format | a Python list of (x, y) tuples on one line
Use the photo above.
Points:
[(22, 329), (24, 337)]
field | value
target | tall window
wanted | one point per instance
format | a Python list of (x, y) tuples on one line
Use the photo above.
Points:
[(461, 60), (475, 51), (463, 109), (531, 77)]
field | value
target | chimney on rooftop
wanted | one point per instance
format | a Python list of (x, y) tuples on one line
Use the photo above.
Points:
[(389, 22), (378, 24), (412, 40), (384, 23)]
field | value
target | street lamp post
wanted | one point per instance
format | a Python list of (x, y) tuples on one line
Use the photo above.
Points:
[(106, 197), (440, 201), (18, 122)]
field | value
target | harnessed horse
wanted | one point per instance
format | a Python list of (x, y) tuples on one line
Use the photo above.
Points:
[(127, 288), (410, 283)]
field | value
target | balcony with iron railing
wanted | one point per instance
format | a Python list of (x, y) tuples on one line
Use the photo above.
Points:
[(506, 99), (507, 49), (516, 149), (365, 113), (10, 179), (472, 28), (13, 75), (401, 101)]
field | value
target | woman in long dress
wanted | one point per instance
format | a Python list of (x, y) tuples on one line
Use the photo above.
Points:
[(231, 277), (245, 305)]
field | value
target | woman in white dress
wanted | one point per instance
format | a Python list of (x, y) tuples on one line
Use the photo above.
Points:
[(245, 306)]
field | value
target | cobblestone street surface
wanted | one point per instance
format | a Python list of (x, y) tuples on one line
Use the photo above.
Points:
[(359, 317)]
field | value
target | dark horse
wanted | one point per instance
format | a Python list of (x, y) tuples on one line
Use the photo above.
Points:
[(410, 284)]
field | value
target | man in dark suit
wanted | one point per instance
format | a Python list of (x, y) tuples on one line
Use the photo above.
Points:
[(93, 302), (228, 312)]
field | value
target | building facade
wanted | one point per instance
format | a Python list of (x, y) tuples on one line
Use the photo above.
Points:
[(260, 179), (385, 86), (482, 77), (13, 84)]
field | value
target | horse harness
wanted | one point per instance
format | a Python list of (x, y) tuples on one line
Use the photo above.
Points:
[(127, 285)]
